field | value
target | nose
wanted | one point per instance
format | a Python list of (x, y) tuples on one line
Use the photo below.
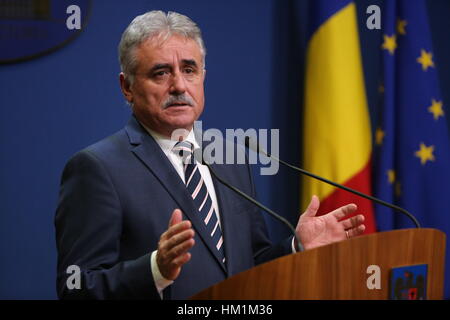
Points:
[(178, 85)]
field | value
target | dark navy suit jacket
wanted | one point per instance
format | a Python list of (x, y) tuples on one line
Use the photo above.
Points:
[(116, 199)]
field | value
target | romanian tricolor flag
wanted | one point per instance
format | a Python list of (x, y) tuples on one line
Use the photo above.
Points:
[(337, 133)]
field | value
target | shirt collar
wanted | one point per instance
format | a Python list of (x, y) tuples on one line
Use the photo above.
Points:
[(166, 143)]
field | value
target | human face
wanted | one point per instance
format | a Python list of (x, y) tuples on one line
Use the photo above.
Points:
[(167, 92)]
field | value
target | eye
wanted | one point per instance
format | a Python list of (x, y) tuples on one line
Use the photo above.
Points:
[(160, 73)]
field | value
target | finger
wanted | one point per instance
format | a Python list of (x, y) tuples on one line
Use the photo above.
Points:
[(176, 239), (176, 217), (313, 207), (356, 231), (353, 221), (344, 211), (179, 250), (181, 260), (175, 229)]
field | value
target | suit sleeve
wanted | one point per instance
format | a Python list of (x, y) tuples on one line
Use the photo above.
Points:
[(263, 249), (88, 230)]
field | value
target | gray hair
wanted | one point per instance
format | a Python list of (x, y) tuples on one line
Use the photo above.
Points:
[(154, 23)]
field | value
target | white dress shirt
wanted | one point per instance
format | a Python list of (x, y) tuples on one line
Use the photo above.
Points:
[(167, 145)]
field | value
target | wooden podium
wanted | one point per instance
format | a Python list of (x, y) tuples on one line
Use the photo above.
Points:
[(339, 270)]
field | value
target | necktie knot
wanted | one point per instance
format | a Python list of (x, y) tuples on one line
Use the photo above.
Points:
[(184, 149)]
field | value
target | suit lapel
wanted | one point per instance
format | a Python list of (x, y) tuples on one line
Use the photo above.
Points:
[(226, 214), (149, 152)]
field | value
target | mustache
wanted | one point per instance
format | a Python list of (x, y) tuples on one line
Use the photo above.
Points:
[(178, 99)]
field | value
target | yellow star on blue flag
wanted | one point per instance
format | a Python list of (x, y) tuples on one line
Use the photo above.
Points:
[(415, 151)]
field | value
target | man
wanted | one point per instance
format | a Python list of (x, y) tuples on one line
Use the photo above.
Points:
[(142, 219)]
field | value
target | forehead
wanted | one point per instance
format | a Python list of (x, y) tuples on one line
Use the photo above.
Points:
[(174, 49)]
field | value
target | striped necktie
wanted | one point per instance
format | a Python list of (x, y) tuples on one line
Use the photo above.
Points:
[(202, 200)]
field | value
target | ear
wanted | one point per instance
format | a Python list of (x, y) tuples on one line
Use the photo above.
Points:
[(125, 86)]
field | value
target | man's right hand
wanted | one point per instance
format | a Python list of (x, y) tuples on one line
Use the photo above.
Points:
[(174, 245)]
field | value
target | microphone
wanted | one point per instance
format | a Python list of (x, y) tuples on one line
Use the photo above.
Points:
[(252, 145), (201, 159)]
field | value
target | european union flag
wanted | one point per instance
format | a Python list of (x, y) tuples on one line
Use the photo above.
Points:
[(412, 139)]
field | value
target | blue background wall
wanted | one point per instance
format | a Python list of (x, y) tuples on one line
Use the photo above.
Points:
[(55, 105)]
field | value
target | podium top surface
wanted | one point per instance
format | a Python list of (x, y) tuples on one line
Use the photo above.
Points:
[(340, 270)]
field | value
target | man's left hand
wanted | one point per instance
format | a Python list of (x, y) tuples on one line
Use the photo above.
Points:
[(334, 226)]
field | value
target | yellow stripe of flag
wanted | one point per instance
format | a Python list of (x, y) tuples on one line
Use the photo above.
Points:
[(337, 135)]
